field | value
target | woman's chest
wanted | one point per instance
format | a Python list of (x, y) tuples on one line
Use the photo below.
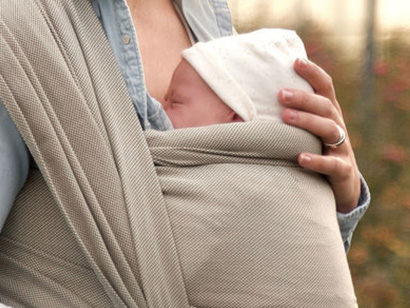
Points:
[(161, 38)]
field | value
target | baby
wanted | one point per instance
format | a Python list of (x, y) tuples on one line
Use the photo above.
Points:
[(234, 79), (251, 228)]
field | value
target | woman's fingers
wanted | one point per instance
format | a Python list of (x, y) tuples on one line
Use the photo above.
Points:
[(320, 81), (320, 114), (313, 113), (342, 175), (309, 102), (332, 166), (324, 128)]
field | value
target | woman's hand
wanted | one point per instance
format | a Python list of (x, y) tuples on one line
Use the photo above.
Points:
[(319, 113)]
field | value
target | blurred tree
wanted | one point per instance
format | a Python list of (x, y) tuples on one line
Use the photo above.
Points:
[(368, 80)]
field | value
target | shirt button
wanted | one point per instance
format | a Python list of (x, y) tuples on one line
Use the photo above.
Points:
[(126, 39)]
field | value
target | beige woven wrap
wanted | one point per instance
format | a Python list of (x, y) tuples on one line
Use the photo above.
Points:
[(91, 227), (252, 228)]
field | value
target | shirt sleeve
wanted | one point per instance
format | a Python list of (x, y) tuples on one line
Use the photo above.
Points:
[(14, 163), (349, 221)]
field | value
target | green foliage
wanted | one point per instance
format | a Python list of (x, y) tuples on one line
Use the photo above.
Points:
[(379, 128)]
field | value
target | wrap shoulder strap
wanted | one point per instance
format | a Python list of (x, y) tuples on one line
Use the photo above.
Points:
[(63, 89)]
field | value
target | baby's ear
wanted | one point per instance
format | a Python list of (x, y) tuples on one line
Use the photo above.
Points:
[(234, 117)]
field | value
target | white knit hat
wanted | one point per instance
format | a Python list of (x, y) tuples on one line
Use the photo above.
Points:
[(247, 71)]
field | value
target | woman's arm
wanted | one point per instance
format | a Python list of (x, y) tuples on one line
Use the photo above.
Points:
[(349, 221), (320, 114)]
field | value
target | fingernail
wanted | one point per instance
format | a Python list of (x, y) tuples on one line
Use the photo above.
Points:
[(302, 62), (305, 158), (292, 115), (286, 95)]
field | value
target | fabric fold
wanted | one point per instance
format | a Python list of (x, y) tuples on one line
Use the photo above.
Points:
[(59, 85), (252, 228), (261, 140)]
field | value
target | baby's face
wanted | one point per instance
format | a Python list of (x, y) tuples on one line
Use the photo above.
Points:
[(190, 102)]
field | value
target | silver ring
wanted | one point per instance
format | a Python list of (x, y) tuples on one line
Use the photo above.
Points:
[(341, 139)]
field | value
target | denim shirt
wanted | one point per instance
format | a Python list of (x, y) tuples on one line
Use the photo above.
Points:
[(206, 20)]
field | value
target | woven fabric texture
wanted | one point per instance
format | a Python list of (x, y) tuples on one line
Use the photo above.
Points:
[(108, 224), (98, 225), (252, 228)]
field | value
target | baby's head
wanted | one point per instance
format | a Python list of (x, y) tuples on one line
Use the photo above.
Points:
[(235, 78), (190, 102)]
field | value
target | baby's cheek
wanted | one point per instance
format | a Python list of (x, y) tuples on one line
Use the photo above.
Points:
[(171, 116), (180, 118)]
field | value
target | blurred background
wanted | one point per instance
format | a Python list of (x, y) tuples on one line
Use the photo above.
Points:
[(365, 46)]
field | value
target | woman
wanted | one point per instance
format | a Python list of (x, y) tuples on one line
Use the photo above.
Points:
[(164, 28)]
